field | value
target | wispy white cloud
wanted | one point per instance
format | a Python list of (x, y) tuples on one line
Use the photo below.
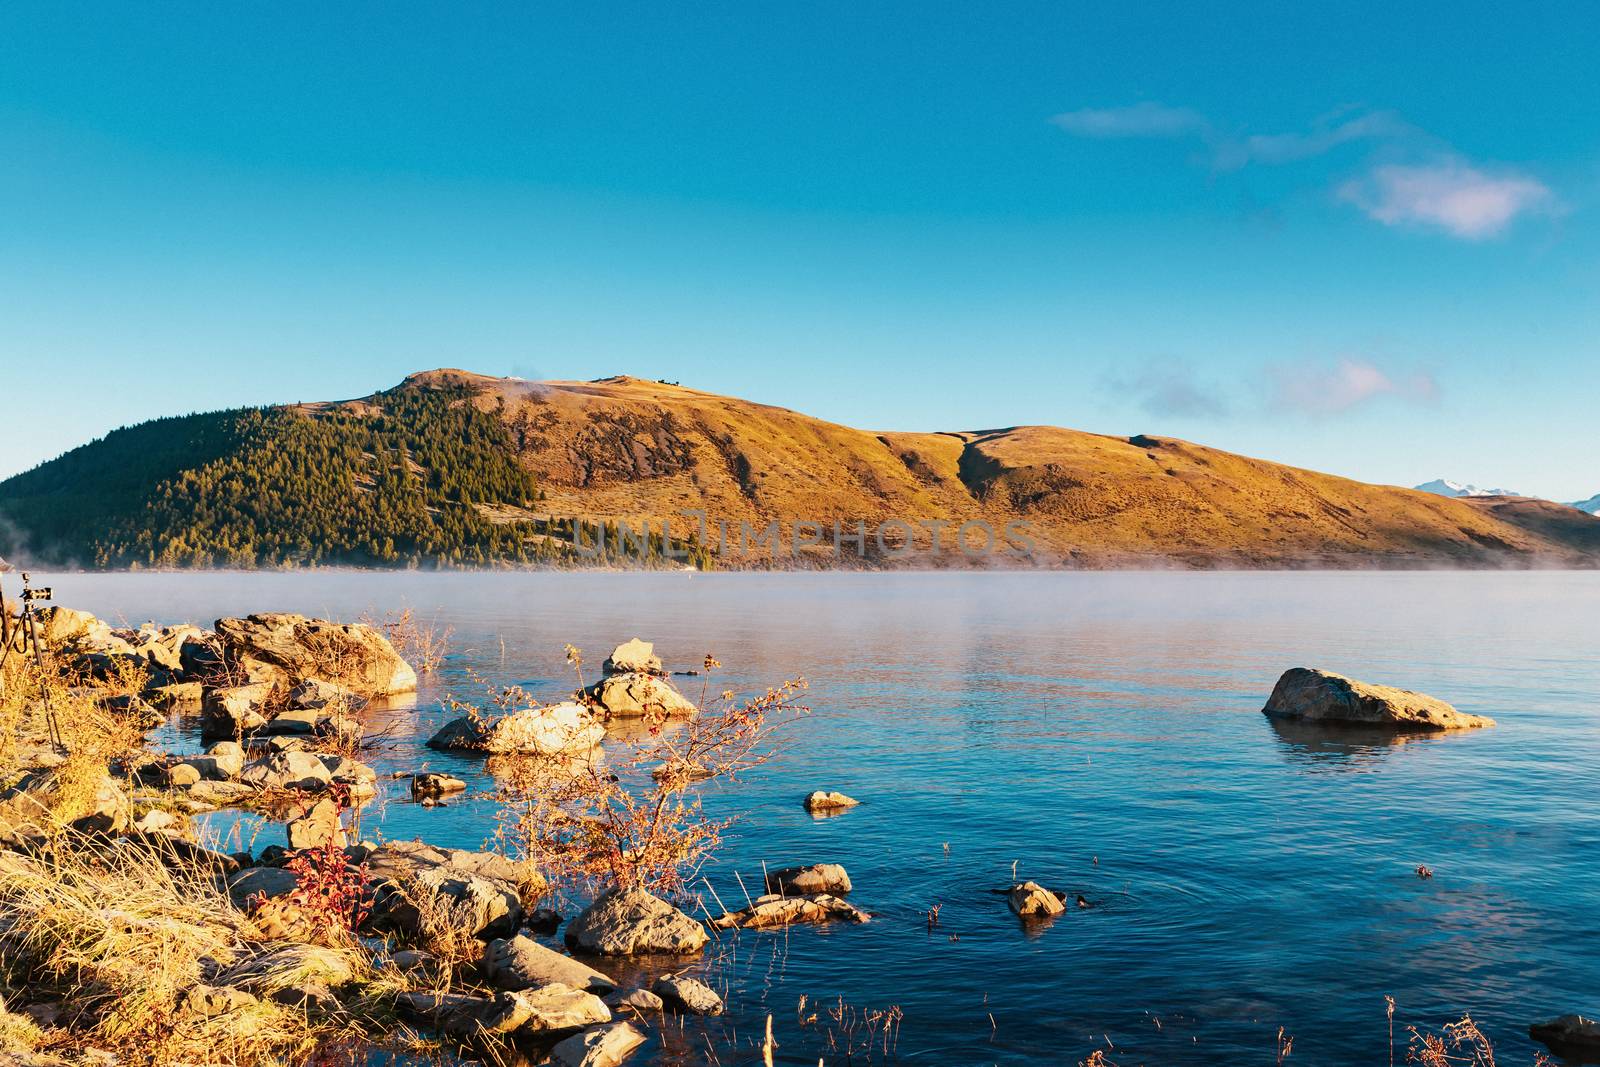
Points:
[(1324, 136), (1168, 387), (1450, 195), (1440, 190), (1320, 390), (1135, 120), (1231, 151)]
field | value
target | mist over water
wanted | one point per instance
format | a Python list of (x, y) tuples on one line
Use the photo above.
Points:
[(1103, 732)]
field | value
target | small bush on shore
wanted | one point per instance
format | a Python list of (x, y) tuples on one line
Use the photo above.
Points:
[(635, 820)]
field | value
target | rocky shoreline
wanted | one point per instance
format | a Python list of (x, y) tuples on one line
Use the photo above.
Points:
[(351, 936), (329, 938)]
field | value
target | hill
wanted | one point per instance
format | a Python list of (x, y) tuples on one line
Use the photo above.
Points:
[(452, 468)]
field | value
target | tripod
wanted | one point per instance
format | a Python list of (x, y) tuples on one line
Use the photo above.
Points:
[(27, 630)]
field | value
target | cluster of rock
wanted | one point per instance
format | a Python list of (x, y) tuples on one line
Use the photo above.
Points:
[(272, 673), (633, 686), (798, 895)]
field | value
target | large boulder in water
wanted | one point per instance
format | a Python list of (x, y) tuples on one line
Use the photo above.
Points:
[(806, 881), (632, 922), (1305, 694), (638, 695), (632, 657), (547, 730), (291, 649), (1573, 1036)]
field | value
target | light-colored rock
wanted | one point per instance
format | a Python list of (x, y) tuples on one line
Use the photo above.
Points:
[(633, 656), (433, 784), (628, 922), (807, 881), (156, 821), (775, 910), (638, 695), (1031, 900), (38, 801), (639, 1001), (287, 770), (318, 827), (220, 794), (1304, 694), (476, 892), (57, 625), (823, 800), (602, 1046), (464, 1015), (547, 730), (315, 694), (233, 710), (689, 994), (182, 775), (176, 695), (523, 963), (223, 762), (293, 721), (292, 649), (348, 771), (211, 1000), (555, 1008)]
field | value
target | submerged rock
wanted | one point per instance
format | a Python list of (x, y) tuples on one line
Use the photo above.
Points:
[(601, 1046), (641, 1001), (630, 922), (689, 994), (433, 784), (1568, 1035), (1307, 695), (1031, 900), (775, 910), (553, 1009), (547, 730), (805, 881), (822, 800)]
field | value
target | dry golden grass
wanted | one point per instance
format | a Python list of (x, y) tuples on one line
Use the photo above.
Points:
[(122, 939), (629, 449)]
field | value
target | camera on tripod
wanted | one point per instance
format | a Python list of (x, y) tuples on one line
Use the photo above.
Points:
[(30, 595)]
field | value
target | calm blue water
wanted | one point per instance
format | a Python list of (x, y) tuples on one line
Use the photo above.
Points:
[(1102, 732)]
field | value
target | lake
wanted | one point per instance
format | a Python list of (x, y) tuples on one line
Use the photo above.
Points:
[(1101, 732)]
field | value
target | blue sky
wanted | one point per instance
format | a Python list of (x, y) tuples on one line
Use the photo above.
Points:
[(1354, 238)]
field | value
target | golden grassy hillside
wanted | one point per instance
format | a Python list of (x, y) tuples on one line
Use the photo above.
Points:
[(636, 450)]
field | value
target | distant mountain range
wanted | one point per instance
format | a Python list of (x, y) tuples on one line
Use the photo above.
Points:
[(1445, 487), (454, 469)]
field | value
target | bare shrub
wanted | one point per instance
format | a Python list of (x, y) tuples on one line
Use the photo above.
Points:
[(632, 819)]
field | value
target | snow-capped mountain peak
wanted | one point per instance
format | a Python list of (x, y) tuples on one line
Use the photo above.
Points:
[(1592, 505), (1445, 487)]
